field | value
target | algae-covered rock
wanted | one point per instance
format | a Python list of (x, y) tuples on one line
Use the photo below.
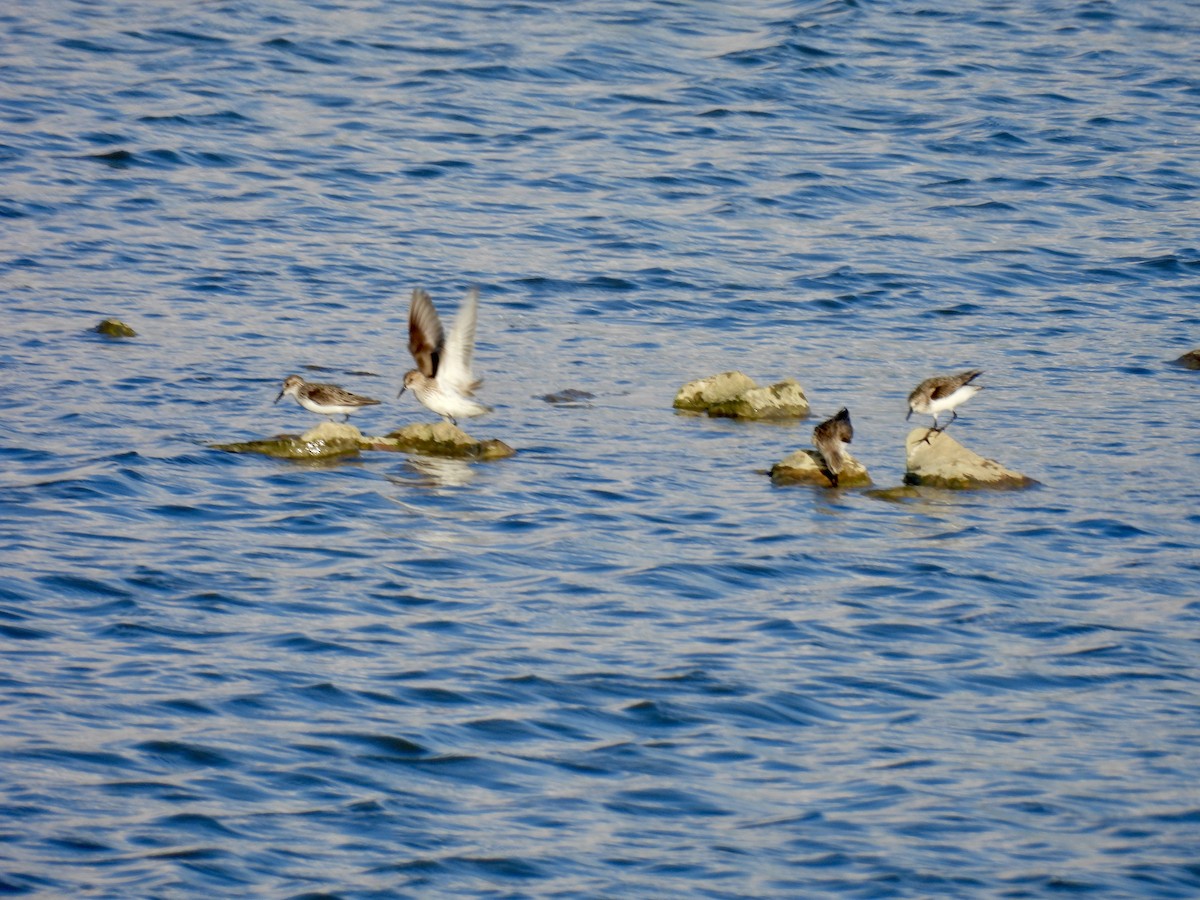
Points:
[(944, 462), (114, 328), (702, 393), (328, 440), (1190, 360), (807, 467), (441, 439), (784, 400)]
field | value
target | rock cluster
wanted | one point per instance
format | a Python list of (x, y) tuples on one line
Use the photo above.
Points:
[(736, 395), (932, 458), (332, 440)]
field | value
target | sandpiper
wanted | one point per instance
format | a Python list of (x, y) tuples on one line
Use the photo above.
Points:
[(324, 399), (936, 395), (442, 380), (830, 438)]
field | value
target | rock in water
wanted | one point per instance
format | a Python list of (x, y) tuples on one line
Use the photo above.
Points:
[(1190, 360), (327, 440), (944, 462), (333, 439), (807, 467), (699, 395), (442, 439), (569, 397), (114, 328), (329, 432), (736, 396), (784, 400)]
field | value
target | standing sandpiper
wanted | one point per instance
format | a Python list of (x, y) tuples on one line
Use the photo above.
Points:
[(324, 399), (830, 438), (442, 380), (936, 395)]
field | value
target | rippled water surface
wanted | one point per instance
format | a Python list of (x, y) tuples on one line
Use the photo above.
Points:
[(620, 663)]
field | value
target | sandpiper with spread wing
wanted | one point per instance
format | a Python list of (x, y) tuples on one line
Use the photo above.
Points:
[(442, 380)]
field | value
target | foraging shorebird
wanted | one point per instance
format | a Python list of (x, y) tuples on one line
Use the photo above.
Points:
[(830, 438), (942, 393), (324, 399), (442, 380)]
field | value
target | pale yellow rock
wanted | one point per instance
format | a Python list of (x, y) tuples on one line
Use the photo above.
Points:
[(807, 467), (944, 462), (702, 393), (332, 431), (441, 439), (783, 400)]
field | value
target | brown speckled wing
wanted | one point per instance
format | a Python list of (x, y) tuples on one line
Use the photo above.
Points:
[(425, 336), (951, 383), (332, 395), (943, 389)]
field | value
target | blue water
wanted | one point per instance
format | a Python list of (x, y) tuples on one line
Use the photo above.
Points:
[(621, 663)]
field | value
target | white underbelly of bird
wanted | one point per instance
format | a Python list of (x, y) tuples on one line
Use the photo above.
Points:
[(442, 399)]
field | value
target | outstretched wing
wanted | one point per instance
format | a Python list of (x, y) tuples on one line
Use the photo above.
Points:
[(425, 336), (455, 368)]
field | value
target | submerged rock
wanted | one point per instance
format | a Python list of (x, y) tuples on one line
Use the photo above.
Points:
[(569, 396), (114, 328), (702, 393), (944, 462), (901, 494), (328, 440), (735, 395), (808, 467), (441, 439), (1190, 360)]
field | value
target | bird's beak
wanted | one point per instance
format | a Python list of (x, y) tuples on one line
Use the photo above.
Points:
[(403, 388), (909, 416), (280, 397)]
